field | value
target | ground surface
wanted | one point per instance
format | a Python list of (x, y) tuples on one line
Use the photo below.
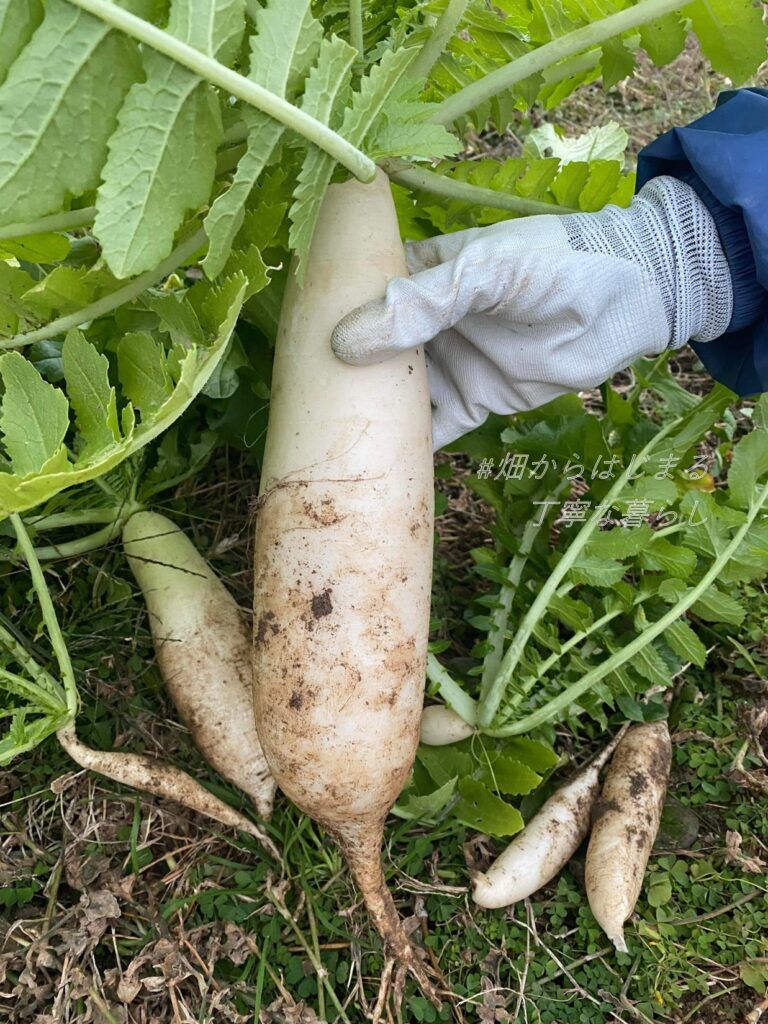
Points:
[(120, 909)]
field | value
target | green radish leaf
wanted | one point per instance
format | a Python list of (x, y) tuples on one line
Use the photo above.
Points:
[(63, 291), (34, 418), (25, 488), (619, 542), (162, 156), (649, 663), (617, 62), (428, 806), (673, 559), (143, 368), (597, 572), (444, 763), (18, 20), (714, 606), (607, 142), (663, 39), (43, 248), (749, 464), (176, 316), (93, 400), (537, 756), (286, 40), (327, 83), (88, 69), (684, 642), (481, 809), (732, 35), (575, 614), (510, 777)]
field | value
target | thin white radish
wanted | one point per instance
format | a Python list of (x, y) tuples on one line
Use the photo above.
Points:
[(203, 648), (626, 821), (547, 842), (441, 725), (164, 780), (343, 552)]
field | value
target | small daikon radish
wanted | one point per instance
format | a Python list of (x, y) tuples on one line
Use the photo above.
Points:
[(203, 648), (164, 780), (440, 726), (626, 821), (547, 842)]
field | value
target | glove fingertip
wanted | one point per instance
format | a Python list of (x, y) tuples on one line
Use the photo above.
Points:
[(363, 336)]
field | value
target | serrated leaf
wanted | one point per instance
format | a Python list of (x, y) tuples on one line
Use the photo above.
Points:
[(663, 39), (596, 572), (326, 83), (74, 71), (444, 763), (18, 494), (169, 122), (749, 464), (62, 291), (537, 756), (732, 35), (428, 806), (511, 777), (34, 417), (601, 187), (603, 142), (92, 398), (619, 542), (575, 614), (714, 606), (143, 369), (684, 642), (649, 663), (673, 559), (286, 38), (617, 62), (176, 316), (397, 138), (43, 248), (481, 809)]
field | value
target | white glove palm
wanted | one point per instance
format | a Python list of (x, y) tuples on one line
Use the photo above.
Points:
[(518, 313)]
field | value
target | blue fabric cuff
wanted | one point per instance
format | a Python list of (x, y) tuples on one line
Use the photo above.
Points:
[(748, 293)]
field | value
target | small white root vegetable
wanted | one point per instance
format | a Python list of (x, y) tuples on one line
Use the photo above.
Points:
[(343, 552), (547, 842), (440, 726), (160, 779), (626, 821), (203, 648)]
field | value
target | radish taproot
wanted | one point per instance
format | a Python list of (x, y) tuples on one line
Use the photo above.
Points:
[(343, 552), (547, 842), (203, 648), (440, 725), (160, 779), (626, 821)]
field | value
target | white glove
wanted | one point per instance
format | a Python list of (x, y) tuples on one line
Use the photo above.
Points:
[(515, 314)]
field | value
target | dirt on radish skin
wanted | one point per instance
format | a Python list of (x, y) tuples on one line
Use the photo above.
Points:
[(547, 842), (203, 648), (164, 780), (343, 552), (626, 821)]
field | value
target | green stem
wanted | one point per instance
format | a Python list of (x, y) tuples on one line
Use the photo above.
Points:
[(84, 517), (500, 617), (49, 615), (107, 303), (39, 694), (491, 697), (451, 692), (576, 690), (441, 35), (356, 25), (29, 663), (443, 185), (472, 95), (234, 84), (82, 545), (66, 221)]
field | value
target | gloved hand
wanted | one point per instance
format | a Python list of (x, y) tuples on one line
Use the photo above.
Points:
[(518, 313)]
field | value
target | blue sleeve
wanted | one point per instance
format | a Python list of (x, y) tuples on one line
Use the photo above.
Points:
[(724, 157)]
